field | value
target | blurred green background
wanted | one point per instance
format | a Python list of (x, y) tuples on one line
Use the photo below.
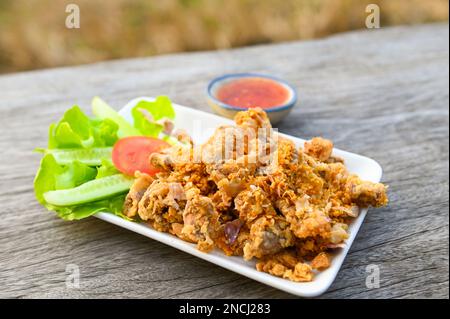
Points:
[(33, 33)]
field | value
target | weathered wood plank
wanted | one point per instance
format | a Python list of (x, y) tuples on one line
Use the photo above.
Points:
[(380, 93)]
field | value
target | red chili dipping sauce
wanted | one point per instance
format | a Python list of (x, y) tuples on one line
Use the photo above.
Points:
[(253, 92)]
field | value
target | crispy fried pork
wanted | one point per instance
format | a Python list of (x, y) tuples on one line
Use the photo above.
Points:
[(249, 192)]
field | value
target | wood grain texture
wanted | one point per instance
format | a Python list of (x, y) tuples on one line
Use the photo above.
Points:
[(381, 93)]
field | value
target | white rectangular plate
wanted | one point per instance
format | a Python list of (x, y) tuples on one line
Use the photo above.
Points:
[(365, 167)]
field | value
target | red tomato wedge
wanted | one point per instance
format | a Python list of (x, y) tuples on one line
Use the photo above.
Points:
[(132, 154)]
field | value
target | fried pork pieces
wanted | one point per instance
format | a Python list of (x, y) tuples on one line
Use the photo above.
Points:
[(251, 193)]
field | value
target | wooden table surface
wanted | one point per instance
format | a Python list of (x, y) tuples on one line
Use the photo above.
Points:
[(381, 93)]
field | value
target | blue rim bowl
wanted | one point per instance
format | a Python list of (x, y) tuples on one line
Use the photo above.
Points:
[(230, 110)]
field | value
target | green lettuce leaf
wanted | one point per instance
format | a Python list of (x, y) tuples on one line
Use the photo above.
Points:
[(106, 169), (105, 112), (76, 130), (146, 114), (112, 205), (52, 176)]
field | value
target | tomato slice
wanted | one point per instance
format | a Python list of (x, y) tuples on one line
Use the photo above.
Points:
[(131, 154)]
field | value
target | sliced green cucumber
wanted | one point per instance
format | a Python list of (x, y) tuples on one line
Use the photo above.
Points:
[(90, 191), (104, 111), (89, 156)]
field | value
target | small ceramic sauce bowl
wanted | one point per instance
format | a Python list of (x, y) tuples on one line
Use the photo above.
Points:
[(231, 93)]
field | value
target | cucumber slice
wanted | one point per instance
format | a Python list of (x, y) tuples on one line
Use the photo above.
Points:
[(89, 191), (104, 111), (91, 156)]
